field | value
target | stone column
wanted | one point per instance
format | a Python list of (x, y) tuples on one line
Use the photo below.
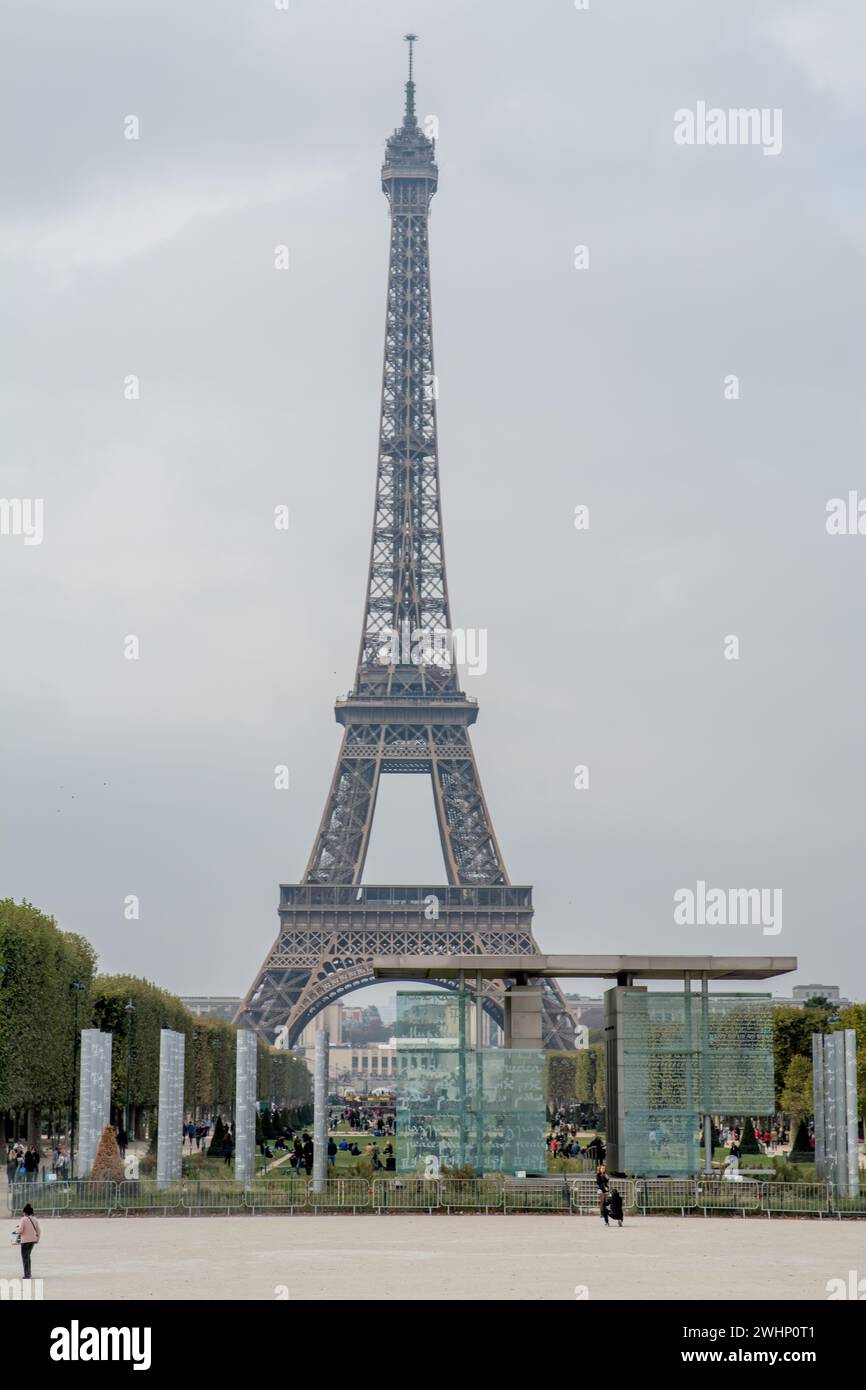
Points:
[(94, 1106), (169, 1141), (523, 1016), (245, 1106)]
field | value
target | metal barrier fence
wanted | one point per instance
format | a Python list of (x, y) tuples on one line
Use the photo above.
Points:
[(585, 1199), (406, 1194), (341, 1194), (471, 1194), (537, 1194), (576, 1195), (715, 1194), (790, 1198), (667, 1194), (283, 1194)]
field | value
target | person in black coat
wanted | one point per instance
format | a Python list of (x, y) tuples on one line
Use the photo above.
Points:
[(614, 1205)]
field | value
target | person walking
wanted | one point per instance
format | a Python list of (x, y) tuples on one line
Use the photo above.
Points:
[(28, 1233), (228, 1148)]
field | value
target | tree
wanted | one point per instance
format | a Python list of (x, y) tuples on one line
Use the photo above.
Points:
[(215, 1148), (855, 1017), (38, 964), (108, 1165), (801, 1151), (796, 1098), (153, 1010), (792, 1037), (748, 1142)]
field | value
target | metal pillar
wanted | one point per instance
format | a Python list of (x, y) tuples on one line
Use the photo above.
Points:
[(841, 1173), (834, 1079), (320, 1111), (461, 1069), (95, 1096), (705, 1080), (850, 1053), (689, 1039), (818, 1105), (831, 1141), (245, 1106), (169, 1139), (479, 1075)]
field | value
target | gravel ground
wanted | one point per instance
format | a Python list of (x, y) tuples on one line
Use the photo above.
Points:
[(441, 1257)]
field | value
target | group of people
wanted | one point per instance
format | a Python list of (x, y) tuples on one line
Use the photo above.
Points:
[(370, 1119), (193, 1133), (563, 1142), (385, 1161), (24, 1162), (769, 1140)]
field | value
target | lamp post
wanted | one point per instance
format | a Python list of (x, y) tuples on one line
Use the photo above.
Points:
[(129, 1010), (77, 989)]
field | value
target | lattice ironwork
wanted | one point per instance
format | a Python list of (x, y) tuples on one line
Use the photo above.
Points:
[(406, 711)]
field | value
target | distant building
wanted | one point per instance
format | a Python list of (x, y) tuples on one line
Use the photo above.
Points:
[(587, 1009), (212, 1006), (332, 1020), (801, 993)]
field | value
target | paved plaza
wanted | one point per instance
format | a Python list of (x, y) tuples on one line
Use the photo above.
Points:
[(440, 1257)]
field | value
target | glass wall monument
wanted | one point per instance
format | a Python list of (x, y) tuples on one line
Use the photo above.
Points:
[(673, 1057), (459, 1107)]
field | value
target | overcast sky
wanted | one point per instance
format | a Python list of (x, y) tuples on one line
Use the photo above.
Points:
[(558, 386)]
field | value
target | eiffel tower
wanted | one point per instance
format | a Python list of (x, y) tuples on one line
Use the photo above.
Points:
[(406, 711)]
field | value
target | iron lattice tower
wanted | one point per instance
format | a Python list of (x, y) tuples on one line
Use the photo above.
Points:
[(406, 711)]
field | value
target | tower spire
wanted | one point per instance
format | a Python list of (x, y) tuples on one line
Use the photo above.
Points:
[(409, 118)]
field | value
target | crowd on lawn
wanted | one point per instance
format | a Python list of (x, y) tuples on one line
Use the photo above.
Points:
[(369, 1119), (301, 1150), (562, 1142)]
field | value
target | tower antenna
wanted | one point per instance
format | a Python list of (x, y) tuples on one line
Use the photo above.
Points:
[(411, 39)]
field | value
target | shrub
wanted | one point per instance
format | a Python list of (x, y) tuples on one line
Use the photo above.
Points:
[(748, 1141), (800, 1149), (108, 1165), (215, 1148)]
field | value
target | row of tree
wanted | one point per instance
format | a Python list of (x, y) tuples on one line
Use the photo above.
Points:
[(49, 986)]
